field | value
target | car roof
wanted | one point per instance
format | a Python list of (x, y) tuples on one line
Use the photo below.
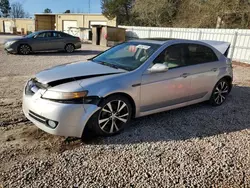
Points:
[(162, 41), (219, 46), (159, 41), (48, 31)]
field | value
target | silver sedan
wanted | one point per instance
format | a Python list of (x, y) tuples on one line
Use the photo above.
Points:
[(133, 79)]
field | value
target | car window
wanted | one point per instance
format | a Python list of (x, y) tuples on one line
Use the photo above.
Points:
[(55, 34), (41, 35), (31, 35), (44, 35), (200, 54), (64, 35), (173, 56), (126, 51), (128, 55), (49, 34)]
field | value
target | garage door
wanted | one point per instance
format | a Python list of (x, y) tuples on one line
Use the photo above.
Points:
[(7, 26), (68, 24), (45, 22)]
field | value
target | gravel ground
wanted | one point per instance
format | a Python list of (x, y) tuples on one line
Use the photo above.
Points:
[(196, 146)]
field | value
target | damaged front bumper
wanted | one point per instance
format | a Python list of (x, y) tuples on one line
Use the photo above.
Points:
[(70, 119)]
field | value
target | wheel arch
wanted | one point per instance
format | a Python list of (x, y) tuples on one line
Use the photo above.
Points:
[(98, 101), (229, 79)]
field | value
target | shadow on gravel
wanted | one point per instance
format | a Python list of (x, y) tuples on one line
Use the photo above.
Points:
[(196, 121), (60, 53)]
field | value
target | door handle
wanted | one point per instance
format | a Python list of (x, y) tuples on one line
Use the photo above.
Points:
[(185, 75), (214, 69)]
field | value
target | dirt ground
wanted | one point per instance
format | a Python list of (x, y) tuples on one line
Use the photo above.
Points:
[(194, 146)]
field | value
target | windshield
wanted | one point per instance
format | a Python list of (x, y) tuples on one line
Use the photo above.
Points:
[(32, 35), (128, 55)]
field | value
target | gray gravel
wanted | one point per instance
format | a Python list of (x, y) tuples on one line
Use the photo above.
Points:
[(16, 65), (196, 146)]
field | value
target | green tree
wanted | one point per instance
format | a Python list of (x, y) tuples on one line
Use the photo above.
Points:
[(5, 8), (120, 9), (47, 10)]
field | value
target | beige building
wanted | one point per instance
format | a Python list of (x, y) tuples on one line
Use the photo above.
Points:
[(19, 25), (75, 24)]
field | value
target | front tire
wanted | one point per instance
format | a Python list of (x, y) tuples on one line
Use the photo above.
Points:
[(220, 93), (24, 49), (113, 117), (69, 48)]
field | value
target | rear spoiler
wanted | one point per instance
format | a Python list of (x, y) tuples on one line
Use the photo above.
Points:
[(222, 47)]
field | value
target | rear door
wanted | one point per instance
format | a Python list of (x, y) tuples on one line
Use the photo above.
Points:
[(204, 69), (56, 41)]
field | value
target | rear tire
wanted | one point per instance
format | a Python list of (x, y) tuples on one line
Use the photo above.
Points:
[(24, 49), (69, 48), (220, 93), (113, 117)]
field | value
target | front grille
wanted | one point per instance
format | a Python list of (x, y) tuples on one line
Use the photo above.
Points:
[(37, 117)]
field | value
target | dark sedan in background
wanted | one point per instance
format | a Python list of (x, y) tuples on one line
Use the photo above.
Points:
[(43, 41)]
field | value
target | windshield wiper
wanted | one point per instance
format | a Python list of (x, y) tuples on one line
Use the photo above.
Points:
[(110, 65)]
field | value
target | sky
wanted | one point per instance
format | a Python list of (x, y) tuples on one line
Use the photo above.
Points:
[(59, 6)]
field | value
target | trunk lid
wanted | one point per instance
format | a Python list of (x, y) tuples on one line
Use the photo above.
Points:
[(222, 47)]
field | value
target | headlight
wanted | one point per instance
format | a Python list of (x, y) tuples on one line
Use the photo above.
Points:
[(9, 43), (55, 95)]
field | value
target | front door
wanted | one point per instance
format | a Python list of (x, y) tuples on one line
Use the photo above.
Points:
[(159, 90), (41, 42)]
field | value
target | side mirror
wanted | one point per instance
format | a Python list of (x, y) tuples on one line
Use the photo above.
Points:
[(158, 68)]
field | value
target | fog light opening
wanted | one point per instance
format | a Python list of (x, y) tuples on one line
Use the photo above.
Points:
[(52, 124)]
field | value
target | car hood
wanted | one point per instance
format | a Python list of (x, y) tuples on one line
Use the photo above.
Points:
[(15, 39), (74, 71)]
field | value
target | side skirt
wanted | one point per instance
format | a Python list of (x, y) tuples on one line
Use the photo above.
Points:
[(173, 107)]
